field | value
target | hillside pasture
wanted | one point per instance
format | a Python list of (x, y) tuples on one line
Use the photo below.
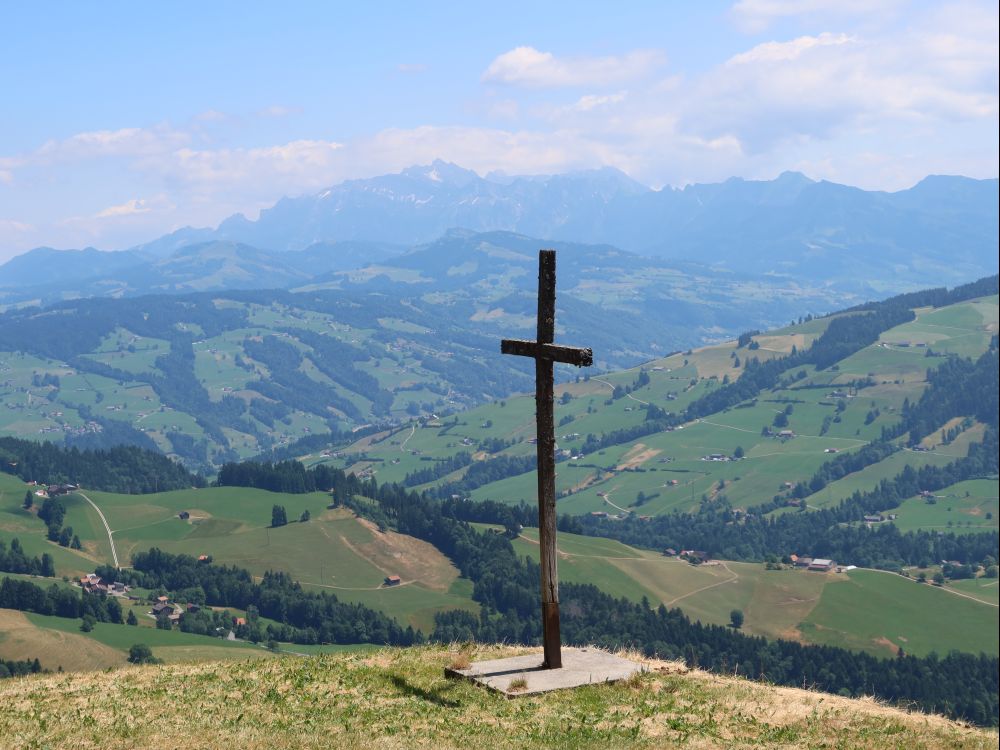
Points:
[(965, 507), (883, 612)]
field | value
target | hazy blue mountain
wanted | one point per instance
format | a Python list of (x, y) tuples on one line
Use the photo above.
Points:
[(46, 265), (866, 243), (942, 230), (45, 275)]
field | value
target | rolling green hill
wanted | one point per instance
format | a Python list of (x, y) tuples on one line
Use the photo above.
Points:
[(828, 412), (216, 376)]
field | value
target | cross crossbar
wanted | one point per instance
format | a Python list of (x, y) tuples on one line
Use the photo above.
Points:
[(570, 355)]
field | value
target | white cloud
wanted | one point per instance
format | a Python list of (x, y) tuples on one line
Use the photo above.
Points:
[(11, 226), (411, 68), (527, 66), (784, 51), (304, 163), (130, 142), (595, 101), (128, 208)]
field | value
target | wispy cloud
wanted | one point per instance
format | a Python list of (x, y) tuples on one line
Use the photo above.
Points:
[(128, 208), (527, 66)]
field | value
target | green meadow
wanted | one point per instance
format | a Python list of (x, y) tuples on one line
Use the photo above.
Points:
[(874, 610)]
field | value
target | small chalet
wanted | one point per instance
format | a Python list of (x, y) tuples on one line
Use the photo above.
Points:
[(803, 562), (162, 608), (669, 552), (874, 519), (784, 434), (393, 580), (240, 621)]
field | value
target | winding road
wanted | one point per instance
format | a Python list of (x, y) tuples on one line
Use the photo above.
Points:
[(111, 541)]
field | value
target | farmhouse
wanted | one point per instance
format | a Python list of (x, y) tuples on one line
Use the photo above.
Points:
[(393, 580), (785, 434), (695, 555), (669, 552), (822, 565), (54, 490), (874, 519), (802, 562)]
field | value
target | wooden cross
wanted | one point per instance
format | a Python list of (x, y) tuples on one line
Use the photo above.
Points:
[(545, 353)]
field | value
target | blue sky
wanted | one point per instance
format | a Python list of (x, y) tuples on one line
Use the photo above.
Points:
[(119, 122)]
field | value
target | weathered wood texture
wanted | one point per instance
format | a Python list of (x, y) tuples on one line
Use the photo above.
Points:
[(570, 355), (545, 353)]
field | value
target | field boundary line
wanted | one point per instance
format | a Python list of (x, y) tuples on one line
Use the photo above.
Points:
[(942, 588), (111, 541)]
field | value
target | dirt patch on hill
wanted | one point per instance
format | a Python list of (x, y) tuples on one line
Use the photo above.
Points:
[(639, 455), (409, 558), (783, 344), (884, 642), (22, 639)]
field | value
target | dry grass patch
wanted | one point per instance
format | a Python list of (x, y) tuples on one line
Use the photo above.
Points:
[(410, 558), (20, 638)]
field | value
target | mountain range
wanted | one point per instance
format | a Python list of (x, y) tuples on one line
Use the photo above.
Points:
[(868, 243)]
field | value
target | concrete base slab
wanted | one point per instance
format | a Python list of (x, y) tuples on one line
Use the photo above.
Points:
[(523, 675)]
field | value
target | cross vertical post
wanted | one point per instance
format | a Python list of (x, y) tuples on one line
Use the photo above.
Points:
[(546, 434), (545, 353)]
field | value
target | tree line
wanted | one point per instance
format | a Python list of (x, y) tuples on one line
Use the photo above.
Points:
[(16, 560), (123, 468)]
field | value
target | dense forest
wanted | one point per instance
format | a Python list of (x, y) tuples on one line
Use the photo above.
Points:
[(123, 468), (58, 601)]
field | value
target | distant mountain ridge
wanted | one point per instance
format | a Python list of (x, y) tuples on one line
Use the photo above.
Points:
[(942, 230), (948, 224)]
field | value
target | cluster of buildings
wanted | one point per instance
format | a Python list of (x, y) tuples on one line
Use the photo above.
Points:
[(93, 584), (819, 564), (53, 490)]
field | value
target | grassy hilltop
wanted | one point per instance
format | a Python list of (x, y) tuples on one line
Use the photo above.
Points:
[(399, 698)]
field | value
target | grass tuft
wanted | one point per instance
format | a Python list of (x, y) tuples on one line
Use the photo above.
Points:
[(518, 685)]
